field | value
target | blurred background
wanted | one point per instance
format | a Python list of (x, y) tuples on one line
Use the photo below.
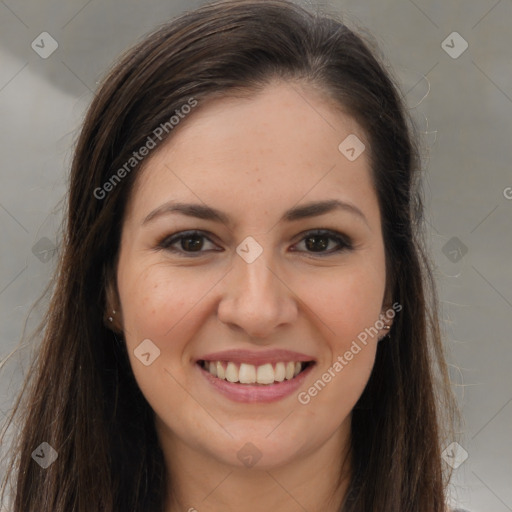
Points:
[(453, 60)]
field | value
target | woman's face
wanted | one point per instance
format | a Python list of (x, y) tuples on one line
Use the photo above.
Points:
[(258, 292)]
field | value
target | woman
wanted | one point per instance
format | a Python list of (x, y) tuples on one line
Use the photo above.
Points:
[(244, 317)]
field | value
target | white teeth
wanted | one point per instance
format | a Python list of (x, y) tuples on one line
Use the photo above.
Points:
[(265, 374), (221, 373), (290, 370), (279, 372), (232, 372), (249, 374)]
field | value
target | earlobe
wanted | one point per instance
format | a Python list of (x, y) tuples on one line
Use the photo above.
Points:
[(385, 330), (112, 315), (385, 321)]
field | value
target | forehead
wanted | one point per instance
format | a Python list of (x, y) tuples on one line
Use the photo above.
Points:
[(275, 148)]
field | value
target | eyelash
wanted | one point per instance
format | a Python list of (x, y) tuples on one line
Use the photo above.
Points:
[(344, 242)]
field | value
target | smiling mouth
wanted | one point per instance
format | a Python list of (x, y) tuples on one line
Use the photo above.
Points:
[(245, 373)]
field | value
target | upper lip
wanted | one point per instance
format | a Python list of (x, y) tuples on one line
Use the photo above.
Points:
[(256, 357)]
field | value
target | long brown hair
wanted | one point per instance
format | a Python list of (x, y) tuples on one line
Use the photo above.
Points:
[(80, 395)]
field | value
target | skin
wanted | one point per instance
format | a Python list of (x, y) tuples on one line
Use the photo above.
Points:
[(253, 159)]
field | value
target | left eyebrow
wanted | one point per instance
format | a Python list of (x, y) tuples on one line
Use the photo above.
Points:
[(312, 209)]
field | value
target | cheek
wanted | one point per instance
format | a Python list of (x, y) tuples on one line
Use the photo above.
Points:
[(157, 301), (167, 306), (157, 305), (348, 302)]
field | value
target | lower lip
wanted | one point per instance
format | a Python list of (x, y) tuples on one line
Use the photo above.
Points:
[(260, 393)]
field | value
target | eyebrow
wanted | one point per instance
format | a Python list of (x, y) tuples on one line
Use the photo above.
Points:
[(199, 211)]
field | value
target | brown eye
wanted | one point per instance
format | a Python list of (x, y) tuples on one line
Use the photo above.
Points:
[(186, 242), (321, 240), (191, 243)]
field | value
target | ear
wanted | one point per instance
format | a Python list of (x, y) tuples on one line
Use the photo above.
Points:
[(386, 315), (112, 317)]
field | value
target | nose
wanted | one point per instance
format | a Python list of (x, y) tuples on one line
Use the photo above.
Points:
[(256, 299)]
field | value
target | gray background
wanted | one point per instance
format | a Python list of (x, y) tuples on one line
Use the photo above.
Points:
[(463, 106)]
